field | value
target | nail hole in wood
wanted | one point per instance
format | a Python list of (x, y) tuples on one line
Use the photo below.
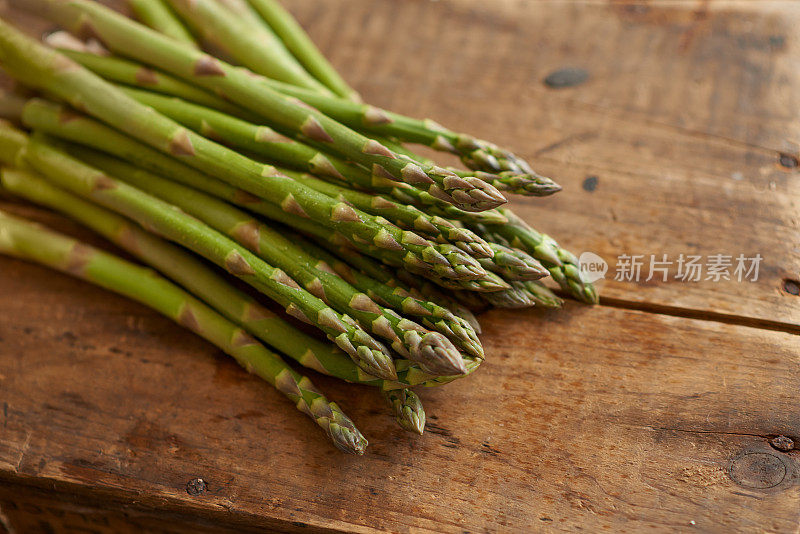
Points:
[(791, 286)]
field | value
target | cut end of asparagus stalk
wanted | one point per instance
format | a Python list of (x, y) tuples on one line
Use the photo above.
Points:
[(407, 409)]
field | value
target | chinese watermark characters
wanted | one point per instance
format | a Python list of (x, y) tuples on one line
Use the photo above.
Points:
[(682, 268)]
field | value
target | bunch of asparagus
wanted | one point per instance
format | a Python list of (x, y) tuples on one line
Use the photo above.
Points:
[(269, 166)]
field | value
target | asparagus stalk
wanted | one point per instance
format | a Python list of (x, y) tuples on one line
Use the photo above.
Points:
[(407, 409), (134, 74), (513, 264), (562, 264), (539, 294), (184, 269), (125, 36), (125, 72), (406, 216), (186, 230), (266, 142), (192, 274), (49, 118), (389, 292), (22, 239), (303, 48), (385, 240), (474, 153), (512, 181), (490, 281), (432, 350), (513, 297), (248, 15), (155, 14), (256, 47)]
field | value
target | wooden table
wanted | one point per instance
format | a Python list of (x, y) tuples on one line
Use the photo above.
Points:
[(658, 409)]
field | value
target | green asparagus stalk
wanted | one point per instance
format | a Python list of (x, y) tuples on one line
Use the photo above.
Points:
[(474, 153), (562, 264), (248, 15), (186, 230), (266, 142), (540, 294), (134, 74), (490, 281), (406, 216), (22, 239), (513, 264), (255, 47), (407, 409), (513, 297), (299, 44), (124, 72), (389, 292), (432, 350), (48, 118), (519, 182), (528, 184), (387, 241), (126, 37), (155, 14), (192, 274), (184, 269)]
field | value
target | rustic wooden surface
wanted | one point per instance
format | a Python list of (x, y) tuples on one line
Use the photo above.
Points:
[(654, 410)]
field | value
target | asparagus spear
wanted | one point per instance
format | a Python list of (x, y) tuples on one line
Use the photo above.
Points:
[(266, 142), (539, 294), (299, 43), (46, 117), (22, 239), (130, 73), (176, 226), (513, 297), (513, 264), (385, 240), (192, 274), (518, 182), (155, 14), (389, 292), (562, 264), (255, 47), (490, 281), (433, 351), (407, 409), (125, 72), (125, 36)]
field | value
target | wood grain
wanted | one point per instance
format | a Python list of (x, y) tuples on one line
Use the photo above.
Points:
[(586, 418)]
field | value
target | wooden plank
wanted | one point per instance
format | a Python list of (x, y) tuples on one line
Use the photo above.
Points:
[(598, 418)]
